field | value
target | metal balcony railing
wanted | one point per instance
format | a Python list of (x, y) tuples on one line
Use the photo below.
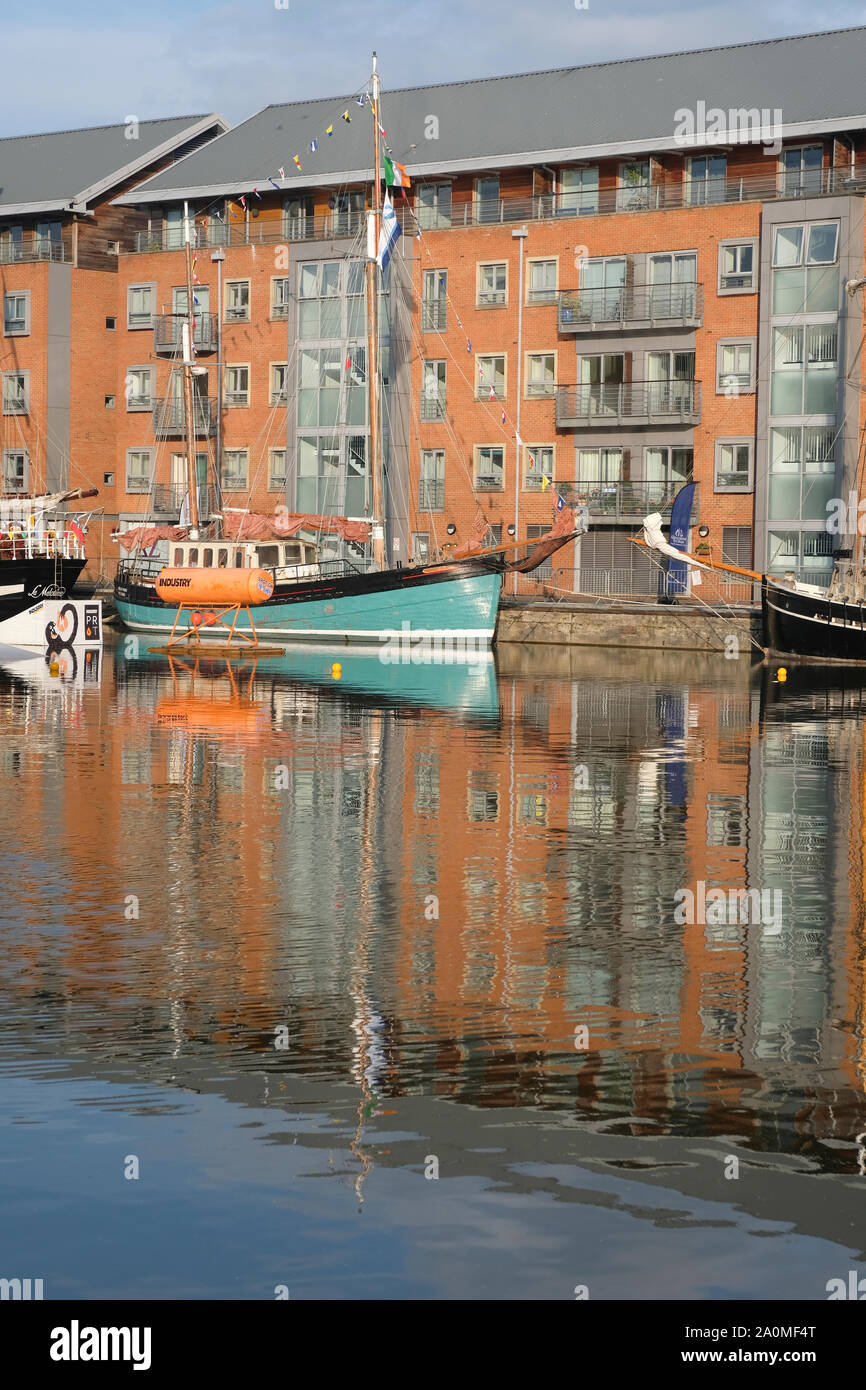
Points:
[(431, 495), (279, 397), (434, 314), (482, 393), (641, 306), (168, 498), (637, 402), (489, 482), (233, 400), (491, 299), (38, 249), (15, 405), (169, 416), (675, 193), (626, 501), (168, 332), (432, 408)]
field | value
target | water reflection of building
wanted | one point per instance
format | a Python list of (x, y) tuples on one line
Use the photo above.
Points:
[(285, 841)]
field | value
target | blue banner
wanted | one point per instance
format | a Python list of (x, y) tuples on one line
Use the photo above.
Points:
[(681, 520)]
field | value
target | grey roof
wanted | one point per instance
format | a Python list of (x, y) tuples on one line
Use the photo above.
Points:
[(41, 173), (815, 80)]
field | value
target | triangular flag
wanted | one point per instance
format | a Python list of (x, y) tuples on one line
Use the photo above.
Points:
[(349, 362), (560, 502), (382, 132), (276, 185), (258, 194), (297, 161), (468, 345), (282, 172), (314, 145), (243, 202), (346, 117), (545, 483), (330, 130), (492, 394), (361, 99), (503, 417)]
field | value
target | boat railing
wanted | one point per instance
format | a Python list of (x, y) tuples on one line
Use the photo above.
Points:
[(51, 542), (847, 584), (141, 567)]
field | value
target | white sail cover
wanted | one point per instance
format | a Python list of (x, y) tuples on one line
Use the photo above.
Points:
[(28, 513), (654, 540)]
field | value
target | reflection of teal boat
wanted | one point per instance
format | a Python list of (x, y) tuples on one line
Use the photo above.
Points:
[(466, 687)]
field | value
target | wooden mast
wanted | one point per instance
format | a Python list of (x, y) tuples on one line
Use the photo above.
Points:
[(187, 332), (378, 490)]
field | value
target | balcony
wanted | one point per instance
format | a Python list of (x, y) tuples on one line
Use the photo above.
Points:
[(168, 332), (626, 501), (36, 249), (432, 408), (168, 417), (489, 482), (482, 393), (642, 306), (168, 498), (236, 232), (16, 405), (632, 402)]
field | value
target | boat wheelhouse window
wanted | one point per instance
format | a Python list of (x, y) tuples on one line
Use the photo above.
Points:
[(292, 554), (193, 556), (207, 558), (269, 554), (222, 558), (178, 555), (239, 559)]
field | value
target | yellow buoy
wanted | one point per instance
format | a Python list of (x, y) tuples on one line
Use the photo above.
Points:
[(54, 668), (782, 674), (336, 670)]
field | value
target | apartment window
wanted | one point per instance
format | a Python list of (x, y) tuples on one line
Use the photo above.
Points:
[(633, 191), (489, 468), (420, 547), (601, 298), (110, 323), (433, 391), (237, 386), (804, 369), (16, 393), (319, 476), (735, 367), (319, 377), (537, 465), (140, 305), (431, 488), (673, 277), (670, 382), (803, 281), (234, 470), (109, 402), (319, 303), (737, 269), (482, 798), (434, 302), (16, 313), (492, 285), (737, 546), (491, 378), (578, 192), (298, 212), (279, 383), (11, 244), (237, 301), (601, 378), (280, 297), (802, 471), (433, 204), (540, 373), (139, 469), (49, 238), (733, 465), (487, 199), (707, 179), (542, 282), (808, 553), (16, 469), (113, 248), (108, 479), (139, 388), (666, 469), (276, 470), (801, 170), (599, 469)]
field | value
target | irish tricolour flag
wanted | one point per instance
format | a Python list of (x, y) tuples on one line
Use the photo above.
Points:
[(395, 174)]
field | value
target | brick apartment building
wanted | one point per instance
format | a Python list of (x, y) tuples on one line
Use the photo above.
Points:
[(615, 277)]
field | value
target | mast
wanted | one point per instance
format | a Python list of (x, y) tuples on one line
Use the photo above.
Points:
[(187, 332), (378, 490)]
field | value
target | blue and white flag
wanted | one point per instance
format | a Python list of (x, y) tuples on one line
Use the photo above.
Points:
[(389, 232), (681, 519), (314, 145)]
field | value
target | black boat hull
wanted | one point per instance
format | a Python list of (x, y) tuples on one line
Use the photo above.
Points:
[(813, 626), (24, 582)]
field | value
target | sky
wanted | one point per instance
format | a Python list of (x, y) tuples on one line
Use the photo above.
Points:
[(96, 63)]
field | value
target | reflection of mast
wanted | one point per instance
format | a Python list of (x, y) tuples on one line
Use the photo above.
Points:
[(378, 491), (187, 331), (367, 1023)]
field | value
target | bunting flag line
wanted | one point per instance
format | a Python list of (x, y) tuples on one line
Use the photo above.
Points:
[(361, 99), (492, 394), (382, 132), (314, 145), (258, 194), (282, 173), (503, 417), (243, 202), (329, 130), (346, 117), (298, 162), (468, 345), (276, 185)]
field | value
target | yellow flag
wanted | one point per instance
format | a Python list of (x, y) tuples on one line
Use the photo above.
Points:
[(545, 483)]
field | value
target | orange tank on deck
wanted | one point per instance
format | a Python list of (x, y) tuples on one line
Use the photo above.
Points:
[(214, 587)]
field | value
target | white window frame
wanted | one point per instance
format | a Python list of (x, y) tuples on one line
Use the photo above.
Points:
[(532, 477), (236, 313), (544, 296), (23, 397), (235, 482), (23, 332), (281, 310), (433, 402), (146, 478), (277, 481), (734, 442), (139, 323), (585, 200), (721, 378), (239, 398), (476, 458), (548, 392), (423, 505), (145, 401), (634, 196), (494, 303), (721, 275), (482, 393), (279, 395), (5, 462)]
